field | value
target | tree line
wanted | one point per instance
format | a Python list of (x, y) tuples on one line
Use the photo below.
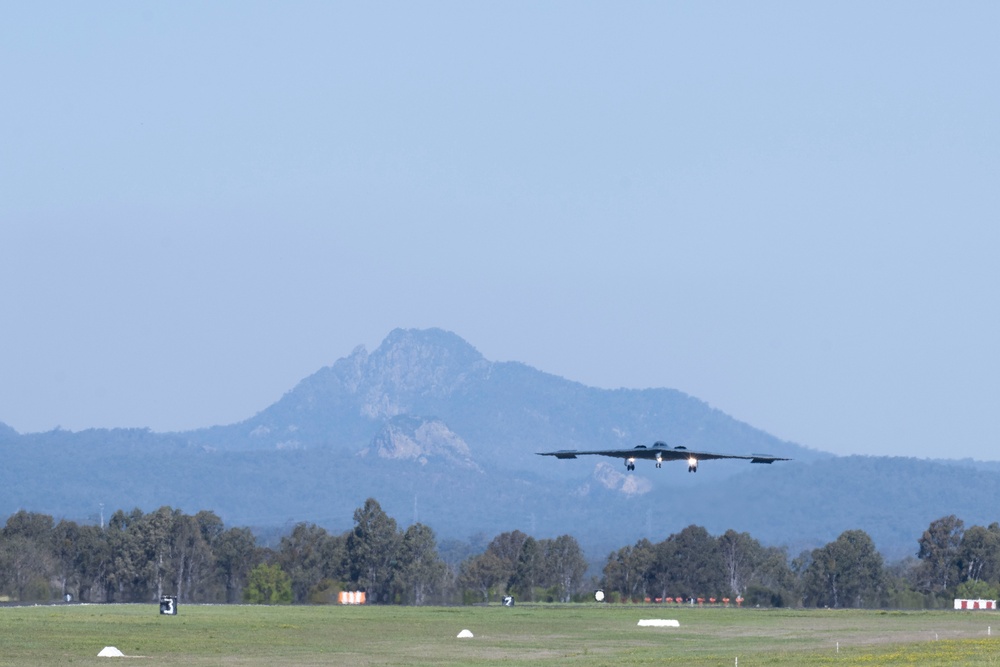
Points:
[(950, 561), (138, 557)]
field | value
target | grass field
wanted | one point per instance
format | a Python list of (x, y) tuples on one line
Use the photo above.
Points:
[(578, 635)]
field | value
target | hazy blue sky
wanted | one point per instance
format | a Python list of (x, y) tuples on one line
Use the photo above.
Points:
[(786, 209)]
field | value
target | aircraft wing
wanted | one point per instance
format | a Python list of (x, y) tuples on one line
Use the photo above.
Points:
[(660, 452)]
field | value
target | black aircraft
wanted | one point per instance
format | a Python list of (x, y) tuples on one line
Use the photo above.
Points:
[(660, 452)]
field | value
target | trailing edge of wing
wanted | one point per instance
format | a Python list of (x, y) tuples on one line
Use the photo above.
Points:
[(619, 453), (766, 458)]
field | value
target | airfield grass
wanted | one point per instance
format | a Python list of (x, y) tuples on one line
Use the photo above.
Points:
[(578, 635)]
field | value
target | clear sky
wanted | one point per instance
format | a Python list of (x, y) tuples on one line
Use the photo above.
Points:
[(786, 209)]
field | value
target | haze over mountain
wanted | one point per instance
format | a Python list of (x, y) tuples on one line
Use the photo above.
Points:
[(784, 209), (439, 434)]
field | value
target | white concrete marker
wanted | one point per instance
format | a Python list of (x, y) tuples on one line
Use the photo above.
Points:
[(660, 623), (465, 634), (110, 652)]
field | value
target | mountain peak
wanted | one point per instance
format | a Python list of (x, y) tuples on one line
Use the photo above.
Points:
[(433, 342), (422, 361)]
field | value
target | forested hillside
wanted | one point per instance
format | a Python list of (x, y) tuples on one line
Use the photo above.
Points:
[(447, 438)]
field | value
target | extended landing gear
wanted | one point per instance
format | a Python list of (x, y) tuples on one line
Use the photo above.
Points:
[(630, 464), (692, 464)]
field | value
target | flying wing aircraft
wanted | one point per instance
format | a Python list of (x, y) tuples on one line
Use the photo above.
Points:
[(661, 452)]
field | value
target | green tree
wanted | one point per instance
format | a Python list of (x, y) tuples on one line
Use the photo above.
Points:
[(91, 563), (192, 561), (564, 565), (65, 548), (30, 525), (689, 564), (306, 556), (753, 571), (773, 582), (155, 533), (627, 570), (236, 554), (268, 584), (971, 589), (939, 571), (848, 572), (210, 526), (126, 577), (420, 571), (528, 570), (484, 574), (25, 568), (372, 549), (27, 560), (507, 547), (741, 555), (978, 554)]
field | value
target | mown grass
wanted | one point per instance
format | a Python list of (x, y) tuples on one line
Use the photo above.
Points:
[(578, 635)]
